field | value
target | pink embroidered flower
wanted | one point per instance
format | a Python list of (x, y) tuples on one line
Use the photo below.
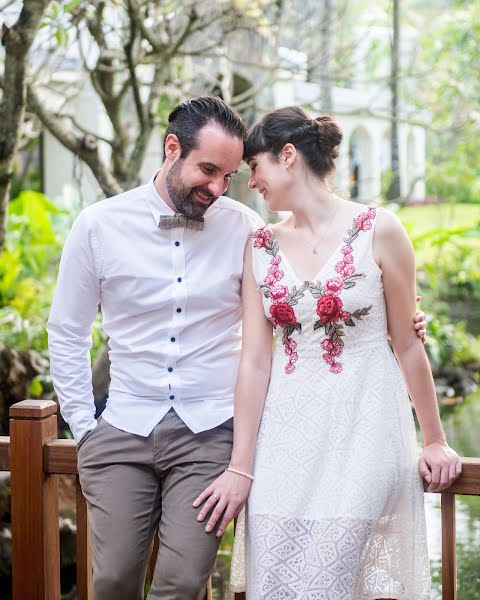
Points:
[(293, 357), (270, 280), (328, 358), (289, 369), (262, 236), (278, 292), (348, 270), (276, 260), (336, 367), (344, 315), (327, 344), (347, 249), (290, 346), (334, 286), (273, 270), (363, 221), (372, 212), (348, 258)]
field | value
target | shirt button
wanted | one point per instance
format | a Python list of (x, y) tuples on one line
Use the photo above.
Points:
[(172, 339), (177, 243), (179, 279), (179, 310), (172, 397), (170, 369)]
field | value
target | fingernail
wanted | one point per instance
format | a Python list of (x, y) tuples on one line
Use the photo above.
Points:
[(219, 533), (200, 517), (208, 528)]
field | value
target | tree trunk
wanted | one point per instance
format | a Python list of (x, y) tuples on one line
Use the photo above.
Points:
[(326, 53), (17, 41), (393, 193)]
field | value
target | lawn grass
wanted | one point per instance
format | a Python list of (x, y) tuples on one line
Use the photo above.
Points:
[(422, 218)]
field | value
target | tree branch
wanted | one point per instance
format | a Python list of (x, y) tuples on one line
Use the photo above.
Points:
[(85, 147)]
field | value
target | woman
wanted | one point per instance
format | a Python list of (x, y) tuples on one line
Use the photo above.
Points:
[(336, 507)]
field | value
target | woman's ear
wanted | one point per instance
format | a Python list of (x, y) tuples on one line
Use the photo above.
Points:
[(288, 155)]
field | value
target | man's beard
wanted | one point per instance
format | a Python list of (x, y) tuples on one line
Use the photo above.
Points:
[(182, 196)]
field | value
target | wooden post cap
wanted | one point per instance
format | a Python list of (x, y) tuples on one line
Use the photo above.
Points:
[(33, 409)]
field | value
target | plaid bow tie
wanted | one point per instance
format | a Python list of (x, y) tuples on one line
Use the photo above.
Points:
[(179, 220)]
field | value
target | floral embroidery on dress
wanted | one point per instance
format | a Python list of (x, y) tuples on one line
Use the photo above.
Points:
[(329, 304), (282, 299)]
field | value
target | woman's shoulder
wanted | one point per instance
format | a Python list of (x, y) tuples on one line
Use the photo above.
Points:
[(388, 224)]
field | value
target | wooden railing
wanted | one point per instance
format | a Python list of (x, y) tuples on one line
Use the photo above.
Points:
[(35, 457)]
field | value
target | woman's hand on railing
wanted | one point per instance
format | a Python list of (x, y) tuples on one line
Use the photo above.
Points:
[(226, 495), (440, 466)]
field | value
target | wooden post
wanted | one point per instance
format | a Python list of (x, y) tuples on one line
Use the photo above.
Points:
[(449, 555), (35, 533)]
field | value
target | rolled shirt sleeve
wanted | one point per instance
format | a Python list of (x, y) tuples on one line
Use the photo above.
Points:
[(74, 308)]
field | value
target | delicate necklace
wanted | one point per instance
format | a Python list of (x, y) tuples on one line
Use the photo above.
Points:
[(334, 212)]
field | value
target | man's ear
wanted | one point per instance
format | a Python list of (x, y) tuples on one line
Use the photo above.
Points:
[(172, 147)]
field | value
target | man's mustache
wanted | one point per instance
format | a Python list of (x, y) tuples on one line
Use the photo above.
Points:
[(205, 192)]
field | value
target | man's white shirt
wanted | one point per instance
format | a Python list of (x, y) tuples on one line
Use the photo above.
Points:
[(171, 306)]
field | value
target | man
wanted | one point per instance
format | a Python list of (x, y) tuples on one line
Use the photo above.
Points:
[(169, 286)]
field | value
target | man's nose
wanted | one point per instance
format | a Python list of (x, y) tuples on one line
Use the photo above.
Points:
[(217, 187)]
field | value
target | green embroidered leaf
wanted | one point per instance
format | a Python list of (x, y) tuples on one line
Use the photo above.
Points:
[(354, 276), (328, 328), (298, 327), (349, 323), (337, 340), (316, 290), (266, 290), (358, 314), (317, 325), (349, 284)]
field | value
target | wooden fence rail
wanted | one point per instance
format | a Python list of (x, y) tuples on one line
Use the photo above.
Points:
[(36, 457)]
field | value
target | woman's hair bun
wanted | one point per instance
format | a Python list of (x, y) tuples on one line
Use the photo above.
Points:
[(329, 135)]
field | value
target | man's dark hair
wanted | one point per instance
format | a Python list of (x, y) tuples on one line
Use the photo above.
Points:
[(186, 120)]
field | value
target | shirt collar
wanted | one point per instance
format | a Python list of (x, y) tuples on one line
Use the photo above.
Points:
[(157, 205)]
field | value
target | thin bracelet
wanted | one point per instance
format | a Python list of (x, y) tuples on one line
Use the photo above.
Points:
[(242, 473)]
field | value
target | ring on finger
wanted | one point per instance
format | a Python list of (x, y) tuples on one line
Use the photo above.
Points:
[(215, 496)]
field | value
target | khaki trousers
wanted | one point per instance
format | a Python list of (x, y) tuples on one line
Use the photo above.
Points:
[(133, 485)]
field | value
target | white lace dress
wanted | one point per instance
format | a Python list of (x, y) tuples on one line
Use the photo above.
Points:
[(336, 511)]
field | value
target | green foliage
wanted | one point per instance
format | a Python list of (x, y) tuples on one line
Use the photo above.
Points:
[(28, 266), (451, 58), (468, 573), (450, 346), (447, 246)]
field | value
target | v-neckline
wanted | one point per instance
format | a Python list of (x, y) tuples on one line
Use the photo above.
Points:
[(325, 264), (290, 266)]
